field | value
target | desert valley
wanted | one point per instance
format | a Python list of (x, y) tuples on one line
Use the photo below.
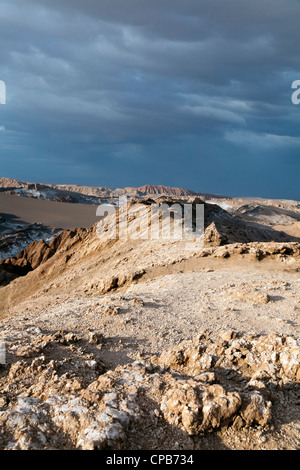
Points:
[(135, 343)]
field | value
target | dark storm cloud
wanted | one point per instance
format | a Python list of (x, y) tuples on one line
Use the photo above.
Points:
[(129, 81)]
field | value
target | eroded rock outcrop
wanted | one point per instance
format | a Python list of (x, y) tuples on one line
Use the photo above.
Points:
[(280, 251), (37, 253)]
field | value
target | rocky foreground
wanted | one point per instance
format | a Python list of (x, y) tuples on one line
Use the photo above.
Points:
[(219, 391)]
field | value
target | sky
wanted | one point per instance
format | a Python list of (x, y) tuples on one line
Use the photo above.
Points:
[(193, 94)]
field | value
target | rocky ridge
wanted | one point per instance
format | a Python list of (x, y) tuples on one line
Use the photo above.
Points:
[(14, 237), (110, 263), (164, 190), (37, 253), (61, 193)]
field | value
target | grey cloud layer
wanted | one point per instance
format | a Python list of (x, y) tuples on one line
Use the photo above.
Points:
[(130, 72)]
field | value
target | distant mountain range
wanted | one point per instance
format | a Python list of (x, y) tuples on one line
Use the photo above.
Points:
[(93, 195), (149, 189)]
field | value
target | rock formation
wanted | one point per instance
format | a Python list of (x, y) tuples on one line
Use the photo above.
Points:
[(208, 385), (36, 254)]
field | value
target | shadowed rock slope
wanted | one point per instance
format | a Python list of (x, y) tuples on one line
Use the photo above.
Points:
[(37, 253)]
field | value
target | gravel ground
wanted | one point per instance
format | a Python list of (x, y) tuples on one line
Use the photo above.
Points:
[(150, 316)]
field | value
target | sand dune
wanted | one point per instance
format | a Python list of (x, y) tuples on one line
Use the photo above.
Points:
[(293, 230), (50, 213)]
